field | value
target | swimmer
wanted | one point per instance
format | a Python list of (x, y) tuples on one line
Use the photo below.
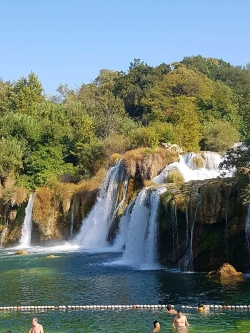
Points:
[(157, 326), (202, 307), (36, 328), (170, 309), (180, 321)]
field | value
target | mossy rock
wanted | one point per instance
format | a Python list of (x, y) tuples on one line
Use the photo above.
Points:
[(226, 274), (175, 176), (20, 252), (52, 256), (198, 162), (115, 157)]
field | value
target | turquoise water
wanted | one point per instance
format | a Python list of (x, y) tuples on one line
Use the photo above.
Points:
[(81, 278)]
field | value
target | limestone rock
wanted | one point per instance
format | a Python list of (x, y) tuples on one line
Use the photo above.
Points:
[(52, 256), (20, 252), (226, 274)]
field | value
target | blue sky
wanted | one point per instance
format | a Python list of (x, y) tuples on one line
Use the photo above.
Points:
[(69, 41)]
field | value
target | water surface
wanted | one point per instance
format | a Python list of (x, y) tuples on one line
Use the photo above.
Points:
[(84, 278)]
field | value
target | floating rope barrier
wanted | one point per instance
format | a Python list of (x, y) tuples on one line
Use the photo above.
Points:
[(113, 307)]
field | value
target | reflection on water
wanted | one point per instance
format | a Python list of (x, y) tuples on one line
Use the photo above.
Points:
[(81, 278)]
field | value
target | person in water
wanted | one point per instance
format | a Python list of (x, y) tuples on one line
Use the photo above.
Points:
[(36, 328), (170, 309), (180, 321), (157, 326), (202, 308)]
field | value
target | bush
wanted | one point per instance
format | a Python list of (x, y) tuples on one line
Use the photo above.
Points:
[(219, 135), (145, 137)]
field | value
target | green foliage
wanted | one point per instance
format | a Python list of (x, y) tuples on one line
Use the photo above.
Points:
[(238, 158), (132, 87), (187, 125), (164, 130), (144, 137), (26, 92), (90, 157), (45, 165), (219, 135), (175, 176), (11, 154), (196, 103)]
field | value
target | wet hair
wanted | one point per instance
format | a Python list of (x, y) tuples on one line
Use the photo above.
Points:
[(155, 322), (169, 307), (178, 311), (8, 332), (200, 305)]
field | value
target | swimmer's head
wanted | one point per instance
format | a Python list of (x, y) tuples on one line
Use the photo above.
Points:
[(156, 324), (200, 307), (169, 307)]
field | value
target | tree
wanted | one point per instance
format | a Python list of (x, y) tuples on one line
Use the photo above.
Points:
[(27, 92), (132, 86), (219, 135), (187, 125), (11, 154), (46, 164)]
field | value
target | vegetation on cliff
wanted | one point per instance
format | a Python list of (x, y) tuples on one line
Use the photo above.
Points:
[(199, 103)]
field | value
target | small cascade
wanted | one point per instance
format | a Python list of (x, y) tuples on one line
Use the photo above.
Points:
[(247, 232), (194, 166), (95, 227), (3, 233), (186, 263), (27, 224), (141, 243), (72, 221), (225, 233), (175, 236), (122, 234), (6, 223)]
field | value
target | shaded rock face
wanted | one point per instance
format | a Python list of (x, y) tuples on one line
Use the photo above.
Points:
[(209, 215)]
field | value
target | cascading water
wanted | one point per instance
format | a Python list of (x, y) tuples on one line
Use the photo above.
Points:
[(3, 233), (72, 221), (27, 224), (225, 233), (141, 243), (94, 229), (175, 234), (122, 234), (194, 166), (247, 232), (186, 263)]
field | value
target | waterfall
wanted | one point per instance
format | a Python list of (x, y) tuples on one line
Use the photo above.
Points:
[(94, 229), (200, 166), (141, 243), (27, 224), (247, 232), (225, 233), (175, 234), (3, 233), (122, 234), (72, 221), (186, 263)]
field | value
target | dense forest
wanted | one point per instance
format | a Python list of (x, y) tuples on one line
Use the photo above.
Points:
[(199, 103)]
